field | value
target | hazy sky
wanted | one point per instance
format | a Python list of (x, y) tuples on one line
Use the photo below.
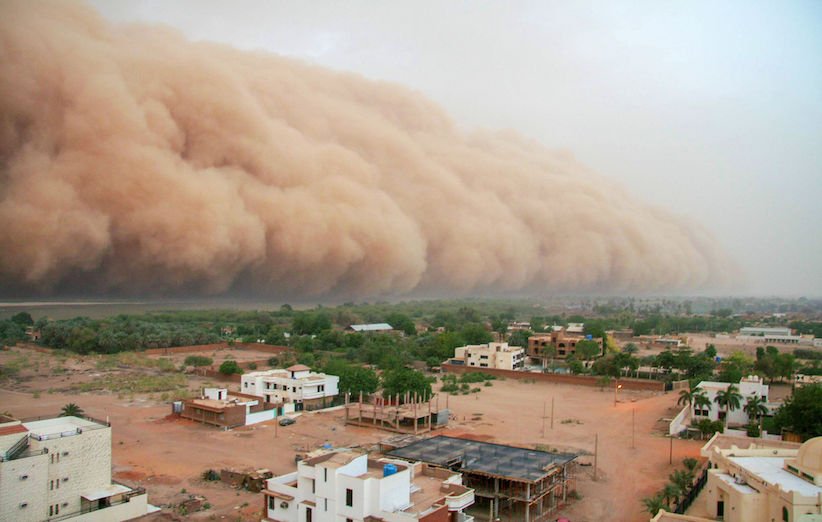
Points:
[(709, 109)]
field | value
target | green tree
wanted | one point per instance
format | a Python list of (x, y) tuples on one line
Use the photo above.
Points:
[(801, 413), (230, 367), (588, 349), (653, 504), (630, 348), (690, 464), (755, 408), (198, 360), (353, 379), (402, 380), (682, 478), (402, 323), (475, 333), (71, 410), (729, 400), (23, 318), (520, 338), (686, 397), (671, 493), (700, 400)]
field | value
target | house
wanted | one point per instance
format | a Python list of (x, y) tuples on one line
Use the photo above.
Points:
[(60, 468), (491, 355), (804, 380), (296, 385), (225, 409), (751, 480), (346, 486), (371, 328), (560, 343), (510, 483), (749, 386)]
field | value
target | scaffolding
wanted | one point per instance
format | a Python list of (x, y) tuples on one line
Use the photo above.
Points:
[(510, 483), (409, 413)]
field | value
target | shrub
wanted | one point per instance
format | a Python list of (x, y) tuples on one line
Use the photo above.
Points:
[(252, 366), (230, 367), (210, 475), (472, 377), (198, 360), (273, 361)]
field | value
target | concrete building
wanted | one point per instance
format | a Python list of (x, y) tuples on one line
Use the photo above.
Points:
[(60, 469), (804, 380), (761, 331), (225, 409), (296, 385), (748, 387), (759, 481), (491, 355), (340, 486), (560, 343), (510, 483)]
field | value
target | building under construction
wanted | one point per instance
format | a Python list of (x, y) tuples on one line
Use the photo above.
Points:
[(408, 413), (510, 483)]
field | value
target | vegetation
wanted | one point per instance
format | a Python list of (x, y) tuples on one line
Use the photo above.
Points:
[(230, 367), (353, 379), (729, 400), (404, 380), (198, 360), (802, 412), (71, 410)]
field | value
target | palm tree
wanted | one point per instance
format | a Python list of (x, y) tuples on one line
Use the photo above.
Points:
[(690, 464), (682, 478), (729, 400), (686, 396), (653, 504), (700, 400), (755, 408), (71, 410), (670, 493)]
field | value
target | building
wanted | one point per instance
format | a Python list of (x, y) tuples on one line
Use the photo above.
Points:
[(804, 380), (560, 343), (348, 486), (60, 468), (514, 483), (225, 409), (773, 335), (760, 331), (759, 481), (575, 328), (491, 355), (371, 328), (749, 386), (410, 413), (296, 385)]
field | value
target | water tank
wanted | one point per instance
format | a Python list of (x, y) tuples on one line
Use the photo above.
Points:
[(327, 446), (589, 337), (389, 469)]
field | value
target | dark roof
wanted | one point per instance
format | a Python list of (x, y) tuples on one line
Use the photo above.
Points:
[(471, 456)]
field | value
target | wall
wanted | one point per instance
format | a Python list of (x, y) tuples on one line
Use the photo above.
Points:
[(32, 491), (254, 347), (583, 380)]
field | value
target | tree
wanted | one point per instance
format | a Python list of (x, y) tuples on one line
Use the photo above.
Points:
[(710, 351), (402, 323), (653, 504), (587, 349), (402, 380), (700, 400), (71, 410), (520, 338), (729, 400), (475, 333), (670, 493), (686, 397), (23, 318), (802, 412), (690, 464), (353, 379), (755, 408), (682, 479), (230, 367), (630, 348)]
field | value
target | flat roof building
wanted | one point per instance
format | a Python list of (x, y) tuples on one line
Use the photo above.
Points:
[(345, 485), (373, 327), (296, 385), (60, 468), (225, 409), (491, 355)]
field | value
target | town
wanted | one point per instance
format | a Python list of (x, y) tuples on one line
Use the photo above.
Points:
[(451, 411)]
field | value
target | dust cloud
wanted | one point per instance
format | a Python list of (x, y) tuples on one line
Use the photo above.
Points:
[(133, 161)]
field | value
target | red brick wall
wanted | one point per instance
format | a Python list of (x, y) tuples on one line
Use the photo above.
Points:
[(440, 515), (583, 380)]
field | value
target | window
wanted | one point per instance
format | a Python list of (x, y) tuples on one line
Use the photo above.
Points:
[(321, 387), (245, 385), (325, 474), (349, 497), (51, 485), (272, 504), (325, 502)]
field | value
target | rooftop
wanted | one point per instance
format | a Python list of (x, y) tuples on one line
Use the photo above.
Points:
[(374, 327), (60, 425), (298, 368), (771, 470), (483, 457)]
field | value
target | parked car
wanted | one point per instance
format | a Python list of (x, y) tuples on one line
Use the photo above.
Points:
[(286, 421)]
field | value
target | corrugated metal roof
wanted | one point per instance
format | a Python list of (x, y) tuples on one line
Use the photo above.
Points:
[(374, 327)]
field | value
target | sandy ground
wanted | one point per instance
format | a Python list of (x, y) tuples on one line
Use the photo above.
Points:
[(218, 356), (168, 455)]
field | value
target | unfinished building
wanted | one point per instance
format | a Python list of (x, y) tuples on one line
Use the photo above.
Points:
[(509, 483), (401, 414)]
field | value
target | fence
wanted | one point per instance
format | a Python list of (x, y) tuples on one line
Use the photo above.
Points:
[(583, 380)]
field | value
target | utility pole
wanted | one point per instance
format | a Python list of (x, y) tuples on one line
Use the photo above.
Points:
[(671, 451), (633, 428), (552, 413), (543, 419), (596, 450)]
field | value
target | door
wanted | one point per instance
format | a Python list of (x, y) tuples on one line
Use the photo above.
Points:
[(720, 509), (308, 514)]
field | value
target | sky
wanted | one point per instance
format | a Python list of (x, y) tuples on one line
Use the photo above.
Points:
[(710, 110)]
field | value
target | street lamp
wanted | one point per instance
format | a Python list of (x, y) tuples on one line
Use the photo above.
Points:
[(616, 389)]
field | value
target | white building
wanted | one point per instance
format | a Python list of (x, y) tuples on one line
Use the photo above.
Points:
[(344, 486), (296, 385), (748, 387), (371, 328), (761, 331), (60, 468), (491, 355), (575, 328)]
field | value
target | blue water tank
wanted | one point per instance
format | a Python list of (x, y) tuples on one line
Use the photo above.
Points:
[(327, 445), (718, 358), (389, 469), (589, 337)]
